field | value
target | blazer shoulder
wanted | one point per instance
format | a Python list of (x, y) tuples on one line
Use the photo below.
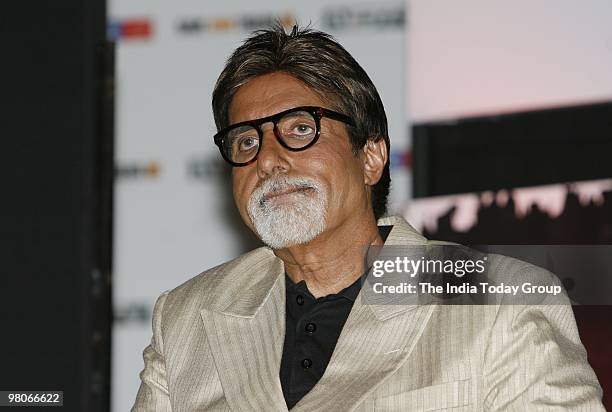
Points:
[(501, 269), (499, 265), (507, 268), (206, 287)]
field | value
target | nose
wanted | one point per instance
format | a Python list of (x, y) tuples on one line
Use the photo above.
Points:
[(272, 157)]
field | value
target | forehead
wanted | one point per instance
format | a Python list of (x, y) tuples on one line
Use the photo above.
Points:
[(269, 94)]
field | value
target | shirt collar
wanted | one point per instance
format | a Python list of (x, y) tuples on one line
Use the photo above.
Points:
[(350, 292)]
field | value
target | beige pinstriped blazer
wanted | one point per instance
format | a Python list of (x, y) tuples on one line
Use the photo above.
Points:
[(218, 338)]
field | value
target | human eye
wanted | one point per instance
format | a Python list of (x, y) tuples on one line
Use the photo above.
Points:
[(242, 139), (300, 125), (302, 130), (246, 143)]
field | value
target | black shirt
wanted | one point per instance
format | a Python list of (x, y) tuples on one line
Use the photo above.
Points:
[(311, 332)]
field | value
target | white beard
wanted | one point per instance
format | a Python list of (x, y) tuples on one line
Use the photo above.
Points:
[(290, 219)]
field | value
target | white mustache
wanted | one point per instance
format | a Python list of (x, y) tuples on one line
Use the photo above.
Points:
[(281, 184)]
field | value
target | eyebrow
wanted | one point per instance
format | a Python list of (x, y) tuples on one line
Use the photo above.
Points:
[(289, 108)]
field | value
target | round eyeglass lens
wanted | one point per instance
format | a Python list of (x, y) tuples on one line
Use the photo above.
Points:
[(241, 144), (297, 129)]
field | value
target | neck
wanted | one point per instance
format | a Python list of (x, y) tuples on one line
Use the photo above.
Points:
[(335, 259)]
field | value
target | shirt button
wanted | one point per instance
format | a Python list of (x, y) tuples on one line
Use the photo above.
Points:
[(306, 363), (299, 299), (310, 328)]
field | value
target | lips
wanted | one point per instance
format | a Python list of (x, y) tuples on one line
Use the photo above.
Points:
[(277, 193)]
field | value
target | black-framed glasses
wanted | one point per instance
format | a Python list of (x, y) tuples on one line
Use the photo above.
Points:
[(296, 129)]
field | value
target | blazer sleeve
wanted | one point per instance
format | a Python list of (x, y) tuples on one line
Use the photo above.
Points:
[(153, 392), (535, 361)]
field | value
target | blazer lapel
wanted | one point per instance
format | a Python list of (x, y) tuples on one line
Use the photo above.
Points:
[(246, 336), (368, 351), (375, 341)]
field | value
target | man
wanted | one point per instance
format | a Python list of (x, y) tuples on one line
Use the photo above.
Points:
[(285, 326)]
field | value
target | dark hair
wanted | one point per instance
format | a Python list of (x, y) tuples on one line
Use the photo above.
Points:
[(319, 61)]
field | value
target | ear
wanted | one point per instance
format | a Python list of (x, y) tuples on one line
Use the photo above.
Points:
[(374, 160)]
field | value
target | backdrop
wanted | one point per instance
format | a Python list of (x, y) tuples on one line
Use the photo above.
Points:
[(430, 59), (173, 212)]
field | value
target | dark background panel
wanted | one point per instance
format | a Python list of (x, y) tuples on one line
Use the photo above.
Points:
[(514, 150), (56, 128)]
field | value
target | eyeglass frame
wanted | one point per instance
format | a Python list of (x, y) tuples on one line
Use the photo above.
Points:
[(315, 111)]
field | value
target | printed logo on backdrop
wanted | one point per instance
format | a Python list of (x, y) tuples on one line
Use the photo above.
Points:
[(401, 160), (245, 23), (370, 15), (129, 29), (138, 312), (350, 16), (207, 167), (138, 170)]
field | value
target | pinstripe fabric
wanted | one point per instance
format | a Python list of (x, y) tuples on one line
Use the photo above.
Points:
[(217, 343)]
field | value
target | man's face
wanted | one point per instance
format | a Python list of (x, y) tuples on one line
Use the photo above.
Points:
[(287, 197)]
